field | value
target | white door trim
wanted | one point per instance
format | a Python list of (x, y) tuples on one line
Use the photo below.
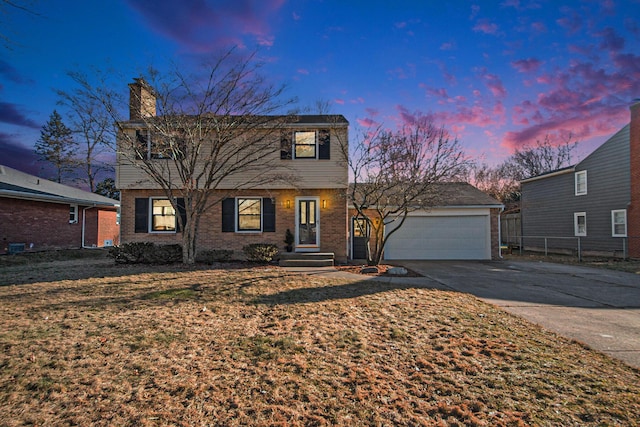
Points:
[(307, 247)]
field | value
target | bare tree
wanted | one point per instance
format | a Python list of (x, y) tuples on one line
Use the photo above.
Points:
[(544, 156), (6, 7), (495, 182), (503, 181), (395, 173), (194, 133), (92, 126)]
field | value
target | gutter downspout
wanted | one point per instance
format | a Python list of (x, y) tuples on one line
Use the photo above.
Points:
[(500, 232), (84, 222)]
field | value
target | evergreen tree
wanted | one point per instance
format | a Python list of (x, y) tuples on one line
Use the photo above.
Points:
[(56, 145), (107, 188)]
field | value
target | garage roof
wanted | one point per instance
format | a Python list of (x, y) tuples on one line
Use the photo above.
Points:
[(465, 194), (461, 194)]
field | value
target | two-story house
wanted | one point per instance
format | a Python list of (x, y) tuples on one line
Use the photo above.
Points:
[(311, 204), (597, 200)]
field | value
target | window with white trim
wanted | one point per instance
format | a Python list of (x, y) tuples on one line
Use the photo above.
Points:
[(163, 216), (249, 214), (73, 214), (619, 223), (581, 183), (304, 145), (580, 223)]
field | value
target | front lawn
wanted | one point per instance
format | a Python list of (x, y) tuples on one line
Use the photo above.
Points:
[(151, 346)]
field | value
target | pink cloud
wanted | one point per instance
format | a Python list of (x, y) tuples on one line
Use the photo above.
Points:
[(579, 127), (366, 122), (584, 99), (526, 65), (439, 93), (486, 27), (203, 26), (494, 83), (339, 101), (303, 71), (358, 100)]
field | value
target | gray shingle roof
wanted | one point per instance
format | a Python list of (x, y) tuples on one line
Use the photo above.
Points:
[(16, 184)]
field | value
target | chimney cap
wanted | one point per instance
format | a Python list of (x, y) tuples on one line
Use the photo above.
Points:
[(142, 82)]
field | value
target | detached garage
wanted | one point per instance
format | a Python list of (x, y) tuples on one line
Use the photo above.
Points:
[(464, 227)]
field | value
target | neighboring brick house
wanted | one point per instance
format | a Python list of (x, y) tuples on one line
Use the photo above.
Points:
[(596, 201), (37, 214), (313, 207)]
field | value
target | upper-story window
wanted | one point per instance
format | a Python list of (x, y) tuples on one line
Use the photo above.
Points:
[(153, 146), (619, 223), (305, 144), (581, 183)]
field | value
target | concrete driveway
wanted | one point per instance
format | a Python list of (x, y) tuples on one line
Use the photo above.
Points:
[(598, 307)]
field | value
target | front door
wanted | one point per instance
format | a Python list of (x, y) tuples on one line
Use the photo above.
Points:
[(307, 224), (359, 234)]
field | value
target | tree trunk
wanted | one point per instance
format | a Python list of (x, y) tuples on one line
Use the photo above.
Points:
[(189, 243)]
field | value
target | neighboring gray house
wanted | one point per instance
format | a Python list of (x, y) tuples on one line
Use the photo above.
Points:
[(587, 204)]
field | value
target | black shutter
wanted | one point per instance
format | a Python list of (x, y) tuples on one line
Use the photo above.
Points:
[(182, 212), (142, 215), (285, 145), (324, 146), (268, 215), (228, 214), (141, 145)]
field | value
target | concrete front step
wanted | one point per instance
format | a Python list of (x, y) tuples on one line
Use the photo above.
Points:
[(306, 259)]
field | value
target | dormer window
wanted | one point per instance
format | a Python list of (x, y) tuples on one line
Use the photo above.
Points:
[(581, 183)]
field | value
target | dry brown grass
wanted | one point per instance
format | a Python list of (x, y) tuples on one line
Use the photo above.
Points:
[(151, 346)]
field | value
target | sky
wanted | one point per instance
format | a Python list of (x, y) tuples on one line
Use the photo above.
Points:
[(499, 75)]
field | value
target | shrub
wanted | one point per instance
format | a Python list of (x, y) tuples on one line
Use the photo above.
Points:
[(145, 253), (214, 255), (260, 252)]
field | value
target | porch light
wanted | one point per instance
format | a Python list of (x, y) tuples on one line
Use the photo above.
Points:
[(288, 204), (324, 203)]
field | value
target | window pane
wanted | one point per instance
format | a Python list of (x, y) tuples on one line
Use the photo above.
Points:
[(619, 223), (308, 138), (312, 212), (249, 211), (305, 145), (163, 215), (581, 183)]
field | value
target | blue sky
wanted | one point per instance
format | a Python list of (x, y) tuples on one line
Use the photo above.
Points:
[(497, 74)]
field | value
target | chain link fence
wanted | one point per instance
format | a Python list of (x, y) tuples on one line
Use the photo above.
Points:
[(579, 247)]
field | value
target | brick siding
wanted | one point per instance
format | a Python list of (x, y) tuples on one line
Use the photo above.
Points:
[(333, 225)]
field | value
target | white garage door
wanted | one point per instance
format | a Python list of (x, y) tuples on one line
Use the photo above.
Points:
[(441, 237)]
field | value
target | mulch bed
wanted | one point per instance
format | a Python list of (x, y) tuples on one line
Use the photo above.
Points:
[(382, 270)]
